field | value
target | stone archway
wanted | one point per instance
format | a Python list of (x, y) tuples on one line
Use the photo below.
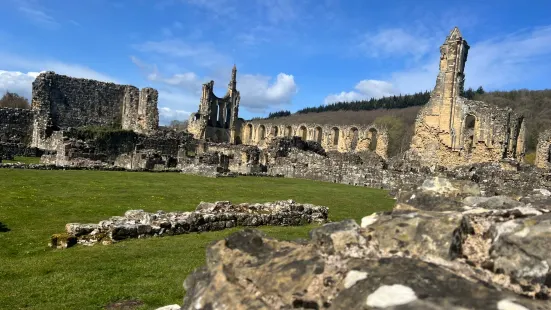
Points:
[(318, 134), (468, 133), (373, 139), (288, 131), (353, 136), (303, 132), (335, 136), (248, 134), (261, 133), (275, 131)]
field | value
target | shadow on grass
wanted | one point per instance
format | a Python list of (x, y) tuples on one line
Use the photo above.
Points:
[(3, 227)]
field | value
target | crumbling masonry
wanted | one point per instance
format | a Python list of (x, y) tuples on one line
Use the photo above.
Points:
[(451, 130), (217, 117), (60, 102), (543, 150)]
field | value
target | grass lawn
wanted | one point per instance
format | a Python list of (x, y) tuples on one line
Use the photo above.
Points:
[(35, 204), (25, 160)]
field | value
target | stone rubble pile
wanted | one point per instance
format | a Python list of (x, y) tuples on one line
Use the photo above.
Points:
[(207, 217), (443, 246)]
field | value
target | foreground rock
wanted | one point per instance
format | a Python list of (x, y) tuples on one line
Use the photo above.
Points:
[(206, 217), (463, 251)]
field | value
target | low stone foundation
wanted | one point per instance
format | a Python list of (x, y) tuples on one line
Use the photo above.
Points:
[(207, 217)]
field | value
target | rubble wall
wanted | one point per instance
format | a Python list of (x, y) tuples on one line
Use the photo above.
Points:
[(15, 125), (543, 150), (61, 102)]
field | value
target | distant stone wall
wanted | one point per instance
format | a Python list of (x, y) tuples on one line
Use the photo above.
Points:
[(15, 125), (543, 150), (122, 148), (341, 138), (60, 102)]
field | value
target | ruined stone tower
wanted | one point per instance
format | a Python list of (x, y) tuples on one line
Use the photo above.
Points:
[(217, 118), (449, 85), (451, 130)]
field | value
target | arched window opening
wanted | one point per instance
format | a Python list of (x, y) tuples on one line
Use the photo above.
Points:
[(249, 133), (303, 132), (288, 131), (221, 114), (373, 139), (468, 133), (261, 133), (228, 116), (275, 131), (335, 134), (317, 134), (549, 154), (353, 138)]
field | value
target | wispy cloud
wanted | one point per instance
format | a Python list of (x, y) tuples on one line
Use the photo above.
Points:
[(395, 42), (36, 13), (203, 54)]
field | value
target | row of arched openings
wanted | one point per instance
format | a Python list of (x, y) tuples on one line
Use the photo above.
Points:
[(318, 135)]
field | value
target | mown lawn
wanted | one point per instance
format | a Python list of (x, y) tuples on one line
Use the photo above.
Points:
[(35, 204), (25, 160)]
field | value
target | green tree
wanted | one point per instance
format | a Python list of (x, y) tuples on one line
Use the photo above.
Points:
[(480, 91)]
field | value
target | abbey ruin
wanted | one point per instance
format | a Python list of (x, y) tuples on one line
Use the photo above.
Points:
[(470, 228), (84, 123), (217, 117), (451, 130)]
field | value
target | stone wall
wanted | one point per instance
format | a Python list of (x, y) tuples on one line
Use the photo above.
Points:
[(61, 102), (349, 138), (207, 217), (122, 148), (543, 150), (452, 131), (15, 125)]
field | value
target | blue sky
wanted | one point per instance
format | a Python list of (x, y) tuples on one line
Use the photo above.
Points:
[(289, 54)]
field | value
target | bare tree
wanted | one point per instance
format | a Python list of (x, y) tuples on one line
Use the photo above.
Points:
[(13, 100)]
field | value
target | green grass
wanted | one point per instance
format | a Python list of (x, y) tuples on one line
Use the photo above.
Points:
[(36, 204), (25, 160)]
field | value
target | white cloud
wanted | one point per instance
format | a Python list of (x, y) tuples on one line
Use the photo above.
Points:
[(258, 94), (365, 89), (166, 115), (17, 82)]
